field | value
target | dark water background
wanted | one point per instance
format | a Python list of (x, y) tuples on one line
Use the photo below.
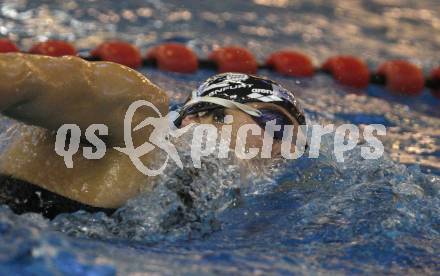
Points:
[(311, 216)]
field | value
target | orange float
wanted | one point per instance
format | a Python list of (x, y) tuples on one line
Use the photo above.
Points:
[(348, 70), (291, 63), (174, 57), (54, 48), (119, 52), (234, 59), (7, 46), (402, 77)]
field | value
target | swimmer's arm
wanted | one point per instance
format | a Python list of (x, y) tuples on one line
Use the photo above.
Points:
[(48, 92)]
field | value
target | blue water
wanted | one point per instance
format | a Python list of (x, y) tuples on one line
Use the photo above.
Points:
[(311, 216)]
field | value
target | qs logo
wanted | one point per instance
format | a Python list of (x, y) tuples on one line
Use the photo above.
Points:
[(159, 137), (207, 140)]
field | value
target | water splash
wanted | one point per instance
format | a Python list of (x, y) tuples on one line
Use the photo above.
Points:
[(313, 216)]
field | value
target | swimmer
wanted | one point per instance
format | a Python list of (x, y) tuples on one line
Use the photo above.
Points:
[(46, 92), (247, 100)]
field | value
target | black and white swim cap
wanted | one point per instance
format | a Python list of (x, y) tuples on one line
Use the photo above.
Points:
[(233, 90)]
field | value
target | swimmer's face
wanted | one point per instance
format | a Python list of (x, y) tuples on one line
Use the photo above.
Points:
[(240, 118)]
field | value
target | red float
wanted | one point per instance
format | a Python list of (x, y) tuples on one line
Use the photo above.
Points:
[(402, 77), (348, 70), (234, 59), (291, 63), (435, 77), (174, 57), (7, 46), (54, 48), (119, 52)]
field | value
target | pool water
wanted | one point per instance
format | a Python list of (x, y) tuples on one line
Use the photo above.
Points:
[(309, 216)]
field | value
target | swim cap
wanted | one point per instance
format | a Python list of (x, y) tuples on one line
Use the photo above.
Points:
[(233, 90)]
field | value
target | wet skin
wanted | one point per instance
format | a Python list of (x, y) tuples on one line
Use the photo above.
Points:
[(46, 92)]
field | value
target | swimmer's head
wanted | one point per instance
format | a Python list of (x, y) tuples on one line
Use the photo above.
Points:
[(243, 99)]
